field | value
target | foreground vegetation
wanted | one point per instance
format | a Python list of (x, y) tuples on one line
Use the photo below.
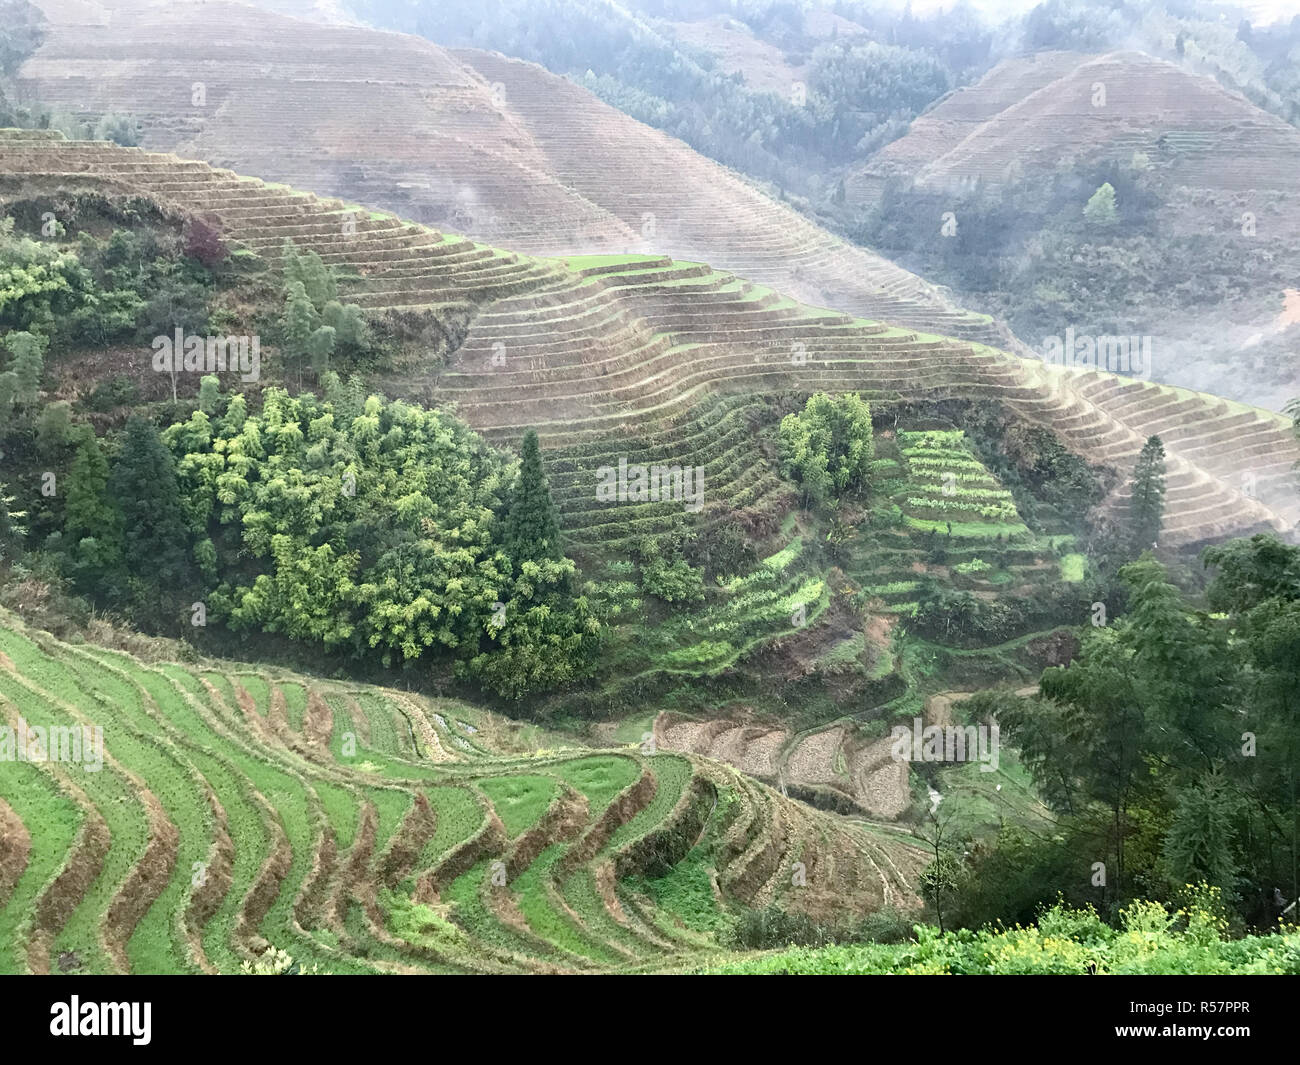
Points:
[(1150, 941), (226, 811)]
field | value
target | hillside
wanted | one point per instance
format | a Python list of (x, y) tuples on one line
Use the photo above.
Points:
[(671, 333), (368, 830), (473, 143), (1054, 110), (1201, 257)]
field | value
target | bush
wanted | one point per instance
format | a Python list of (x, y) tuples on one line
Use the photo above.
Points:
[(673, 582)]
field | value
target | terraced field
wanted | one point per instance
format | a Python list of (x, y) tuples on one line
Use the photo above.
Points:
[(369, 830), (1035, 113), (473, 143), (597, 352), (949, 489)]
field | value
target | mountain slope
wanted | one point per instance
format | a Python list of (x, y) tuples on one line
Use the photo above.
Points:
[(226, 809), (1056, 110), (590, 350), (473, 143)]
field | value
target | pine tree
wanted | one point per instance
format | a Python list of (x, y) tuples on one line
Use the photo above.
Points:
[(532, 530), (28, 351), (92, 526), (1148, 496), (143, 485)]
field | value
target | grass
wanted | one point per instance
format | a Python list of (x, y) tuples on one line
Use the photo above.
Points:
[(520, 800), (1073, 567)]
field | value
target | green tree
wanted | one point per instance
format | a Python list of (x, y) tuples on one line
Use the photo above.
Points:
[(538, 638), (1100, 209), (320, 346), (1200, 843), (828, 446), (92, 524), (121, 129), (944, 832), (28, 351), (54, 429), (299, 322), (143, 485), (309, 270), (532, 530), (349, 324), (209, 394), (1258, 582), (1147, 498)]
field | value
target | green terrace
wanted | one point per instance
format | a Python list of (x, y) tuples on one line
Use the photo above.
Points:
[(359, 829)]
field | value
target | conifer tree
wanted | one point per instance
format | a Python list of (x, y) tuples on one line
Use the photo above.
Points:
[(92, 525), (28, 351), (143, 486), (1148, 496), (532, 531)]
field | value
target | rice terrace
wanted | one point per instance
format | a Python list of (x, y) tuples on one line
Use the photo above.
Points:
[(678, 487)]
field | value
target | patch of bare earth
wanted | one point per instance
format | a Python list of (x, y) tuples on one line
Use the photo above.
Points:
[(218, 875), (885, 790), (938, 708), (813, 759), (65, 894), (15, 845), (146, 880), (317, 721), (360, 723), (416, 829), (262, 895), (751, 749), (277, 715)]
